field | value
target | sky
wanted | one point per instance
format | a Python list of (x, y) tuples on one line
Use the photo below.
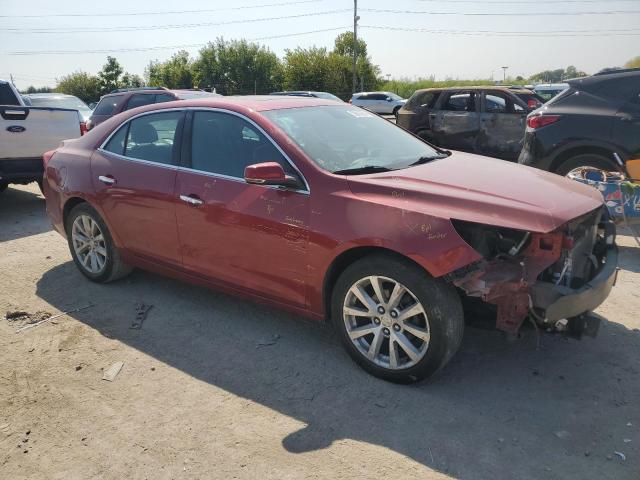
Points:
[(419, 38)]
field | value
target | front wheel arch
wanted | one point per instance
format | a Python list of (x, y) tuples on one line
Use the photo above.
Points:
[(567, 155), (348, 257)]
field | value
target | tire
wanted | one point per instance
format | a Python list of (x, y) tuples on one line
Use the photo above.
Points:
[(108, 262), (395, 111), (585, 160), (440, 324)]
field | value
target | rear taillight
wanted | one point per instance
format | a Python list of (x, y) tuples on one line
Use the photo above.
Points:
[(533, 104), (46, 156), (539, 121), (83, 128)]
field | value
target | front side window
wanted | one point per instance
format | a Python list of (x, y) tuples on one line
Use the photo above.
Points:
[(339, 138), (225, 144), (107, 105), (460, 102), (150, 137)]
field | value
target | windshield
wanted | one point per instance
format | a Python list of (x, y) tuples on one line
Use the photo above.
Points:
[(341, 138), (393, 96), (72, 103)]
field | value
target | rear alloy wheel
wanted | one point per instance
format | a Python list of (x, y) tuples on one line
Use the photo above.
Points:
[(92, 247), (578, 162), (395, 321)]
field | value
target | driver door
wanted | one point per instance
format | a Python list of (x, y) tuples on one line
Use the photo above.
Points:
[(253, 237)]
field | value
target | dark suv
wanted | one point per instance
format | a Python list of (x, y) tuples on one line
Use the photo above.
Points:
[(595, 120), (484, 120), (125, 99)]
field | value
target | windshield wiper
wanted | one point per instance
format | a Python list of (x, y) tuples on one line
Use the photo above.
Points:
[(362, 170), (425, 159)]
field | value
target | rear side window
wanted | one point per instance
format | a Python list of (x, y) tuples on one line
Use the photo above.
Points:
[(107, 105), (460, 102), (139, 100), (150, 137), (225, 144), (495, 103), (164, 97)]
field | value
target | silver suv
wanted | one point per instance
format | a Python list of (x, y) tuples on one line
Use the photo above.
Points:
[(378, 102)]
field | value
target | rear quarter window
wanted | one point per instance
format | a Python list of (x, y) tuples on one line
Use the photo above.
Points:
[(107, 105)]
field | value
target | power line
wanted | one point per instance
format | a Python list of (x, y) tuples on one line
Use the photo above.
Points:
[(495, 33), (166, 47), (171, 26), (173, 12), (501, 14), (524, 2)]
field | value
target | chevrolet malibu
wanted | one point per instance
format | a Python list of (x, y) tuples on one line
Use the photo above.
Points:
[(332, 212)]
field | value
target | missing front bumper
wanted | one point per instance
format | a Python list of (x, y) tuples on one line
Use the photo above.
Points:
[(558, 302)]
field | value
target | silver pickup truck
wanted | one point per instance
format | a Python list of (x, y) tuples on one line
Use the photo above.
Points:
[(26, 133)]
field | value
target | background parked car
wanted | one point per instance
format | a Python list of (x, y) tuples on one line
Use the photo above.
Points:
[(485, 120), (300, 93), (58, 100), (549, 90), (586, 125), (27, 132), (126, 99), (385, 103)]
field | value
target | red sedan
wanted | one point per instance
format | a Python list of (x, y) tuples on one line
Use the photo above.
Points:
[(332, 212)]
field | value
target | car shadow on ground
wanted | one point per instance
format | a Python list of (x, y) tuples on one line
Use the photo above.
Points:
[(21, 214), (498, 410)]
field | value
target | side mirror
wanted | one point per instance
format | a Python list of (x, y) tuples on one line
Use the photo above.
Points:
[(389, 99), (270, 173)]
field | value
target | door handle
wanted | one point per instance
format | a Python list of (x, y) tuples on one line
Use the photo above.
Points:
[(107, 180), (191, 199)]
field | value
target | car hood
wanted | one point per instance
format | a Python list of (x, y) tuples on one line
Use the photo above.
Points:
[(481, 190)]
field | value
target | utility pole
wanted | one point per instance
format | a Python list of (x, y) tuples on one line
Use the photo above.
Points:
[(11, 77), (504, 74), (355, 44)]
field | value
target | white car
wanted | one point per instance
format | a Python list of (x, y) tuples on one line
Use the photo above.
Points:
[(386, 103), (550, 90)]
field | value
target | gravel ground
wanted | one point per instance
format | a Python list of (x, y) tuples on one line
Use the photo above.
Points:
[(216, 387)]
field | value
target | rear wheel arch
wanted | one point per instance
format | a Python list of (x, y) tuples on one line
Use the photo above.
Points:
[(605, 153), (68, 206), (348, 257)]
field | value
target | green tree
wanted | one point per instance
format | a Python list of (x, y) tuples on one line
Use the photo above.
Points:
[(110, 75), (633, 63), (238, 67), (130, 80), (558, 75), (32, 89), (81, 84), (306, 69), (343, 45), (177, 72)]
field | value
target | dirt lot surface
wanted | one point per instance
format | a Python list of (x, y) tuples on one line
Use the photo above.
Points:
[(216, 387)]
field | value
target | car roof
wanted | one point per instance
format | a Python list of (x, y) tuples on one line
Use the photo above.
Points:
[(49, 95), (477, 87), (621, 84)]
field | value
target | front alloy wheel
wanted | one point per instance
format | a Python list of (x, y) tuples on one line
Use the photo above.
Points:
[(394, 319), (386, 322)]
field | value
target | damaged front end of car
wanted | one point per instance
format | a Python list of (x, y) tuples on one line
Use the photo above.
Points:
[(554, 278)]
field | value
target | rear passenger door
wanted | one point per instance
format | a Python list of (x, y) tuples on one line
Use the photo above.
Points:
[(457, 122), (134, 176), (502, 125)]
